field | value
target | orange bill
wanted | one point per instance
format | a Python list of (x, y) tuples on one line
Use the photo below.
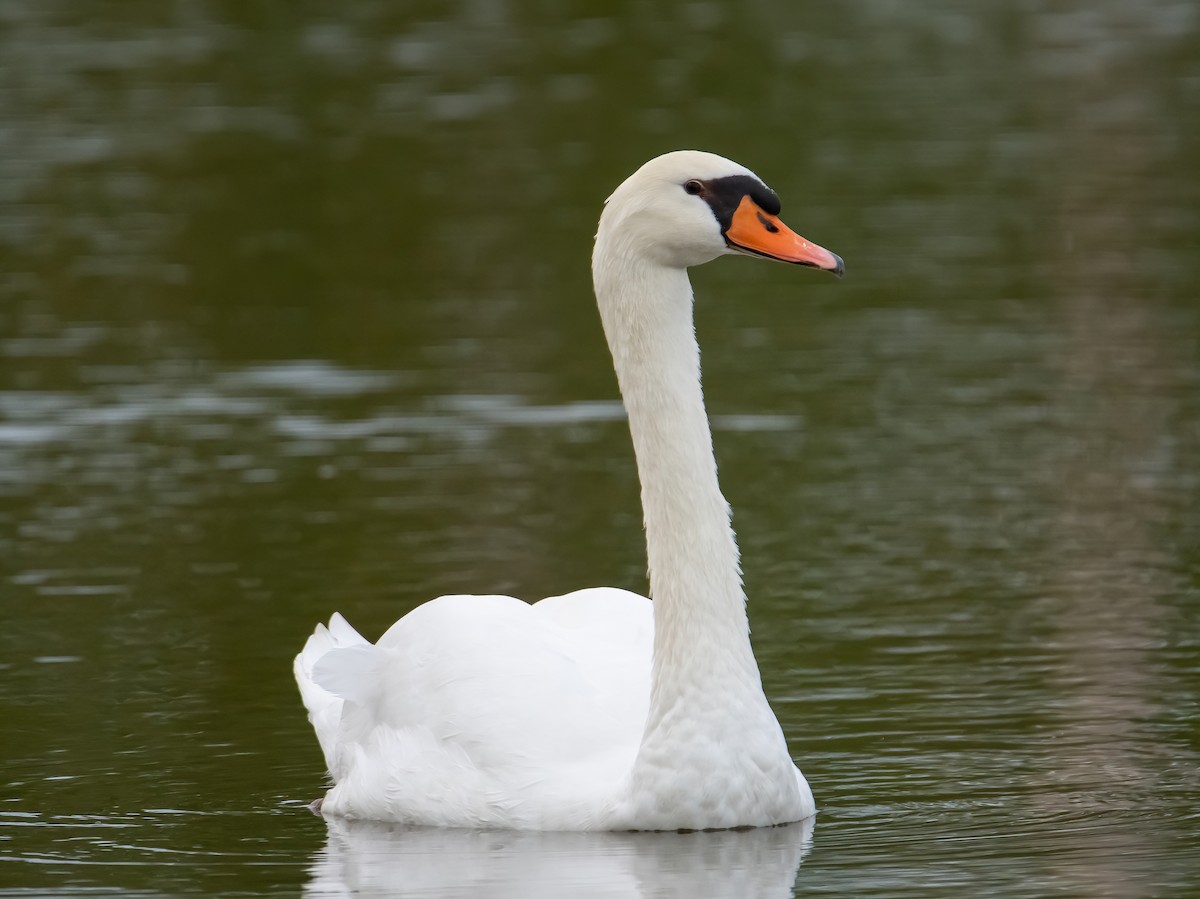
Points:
[(754, 230)]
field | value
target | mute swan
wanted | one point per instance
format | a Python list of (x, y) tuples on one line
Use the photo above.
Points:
[(597, 710)]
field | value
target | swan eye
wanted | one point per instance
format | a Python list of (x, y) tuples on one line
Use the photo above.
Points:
[(693, 187)]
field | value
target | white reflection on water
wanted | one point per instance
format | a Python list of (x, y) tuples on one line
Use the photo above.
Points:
[(367, 859), (283, 394)]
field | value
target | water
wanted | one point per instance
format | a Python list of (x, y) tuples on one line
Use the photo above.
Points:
[(295, 316)]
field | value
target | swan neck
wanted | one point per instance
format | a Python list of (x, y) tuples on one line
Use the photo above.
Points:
[(701, 629)]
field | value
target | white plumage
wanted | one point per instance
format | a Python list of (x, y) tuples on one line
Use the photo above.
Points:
[(597, 710)]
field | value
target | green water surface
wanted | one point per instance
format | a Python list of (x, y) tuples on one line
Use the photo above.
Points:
[(295, 317)]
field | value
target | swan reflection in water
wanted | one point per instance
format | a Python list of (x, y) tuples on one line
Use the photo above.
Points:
[(372, 859)]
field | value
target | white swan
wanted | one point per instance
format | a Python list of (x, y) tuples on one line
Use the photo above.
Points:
[(597, 710)]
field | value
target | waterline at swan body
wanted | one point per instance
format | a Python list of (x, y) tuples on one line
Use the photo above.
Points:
[(597, 710)]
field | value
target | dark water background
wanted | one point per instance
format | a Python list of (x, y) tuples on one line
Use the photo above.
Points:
[(295, 316)]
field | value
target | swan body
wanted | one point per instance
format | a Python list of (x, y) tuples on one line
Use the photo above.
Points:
[(599, 709)]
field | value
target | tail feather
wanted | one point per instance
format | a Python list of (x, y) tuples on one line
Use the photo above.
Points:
[(341, 631), (324, 704), (349, 673)]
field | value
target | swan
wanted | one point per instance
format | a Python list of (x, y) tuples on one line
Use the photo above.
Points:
[(599, 709)]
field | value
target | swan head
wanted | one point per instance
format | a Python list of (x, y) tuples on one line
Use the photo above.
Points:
[(687, 207)]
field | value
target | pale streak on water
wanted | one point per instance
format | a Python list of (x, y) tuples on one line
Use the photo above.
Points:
[(294, 317)]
